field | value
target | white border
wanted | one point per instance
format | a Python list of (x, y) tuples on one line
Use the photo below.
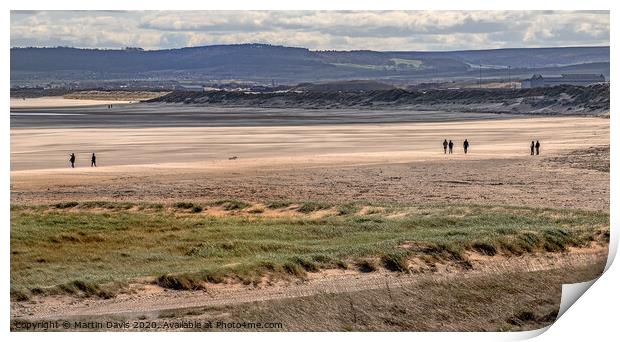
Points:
[(594, 316)]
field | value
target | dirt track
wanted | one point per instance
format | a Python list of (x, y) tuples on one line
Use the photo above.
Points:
[(152, 299)]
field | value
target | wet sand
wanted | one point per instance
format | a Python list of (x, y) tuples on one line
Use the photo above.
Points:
[(48, 148), (386, 161), (145, 115)]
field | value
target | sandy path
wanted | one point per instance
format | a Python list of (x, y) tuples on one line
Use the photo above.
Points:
[(150, 298), (57, 101)]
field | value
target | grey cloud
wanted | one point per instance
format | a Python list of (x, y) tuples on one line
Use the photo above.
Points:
[(342, 30)]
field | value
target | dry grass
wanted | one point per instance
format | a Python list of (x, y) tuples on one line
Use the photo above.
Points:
[(505, 302), (500, 302), (592, 158)]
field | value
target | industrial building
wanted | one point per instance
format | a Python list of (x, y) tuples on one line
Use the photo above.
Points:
[(538, 81)]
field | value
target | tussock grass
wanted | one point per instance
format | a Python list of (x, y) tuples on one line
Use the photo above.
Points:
[(308, 265), (486, 248), (396, 261), (278, 204), (183, 205), (78, 287), (231, 204), (367, 265), (87, 289), (106, 205), (180, 282), (150, 206), (348, 209), (55, 248), (192, 207), (294, 269), (20, 294), (256, 210), (308, 207), (65, 205)]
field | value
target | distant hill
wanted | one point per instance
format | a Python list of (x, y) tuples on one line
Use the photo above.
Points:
[(263, 63)]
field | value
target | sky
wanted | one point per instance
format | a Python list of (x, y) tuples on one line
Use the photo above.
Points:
[(316, 30)]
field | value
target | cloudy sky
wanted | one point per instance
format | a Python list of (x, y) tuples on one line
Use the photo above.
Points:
[(317, 30)]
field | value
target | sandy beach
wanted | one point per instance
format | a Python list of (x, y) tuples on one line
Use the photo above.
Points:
[(47, 148), (388, 161), (57, 101)]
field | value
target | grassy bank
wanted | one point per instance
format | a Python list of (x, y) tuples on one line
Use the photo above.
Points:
[(94, 248)]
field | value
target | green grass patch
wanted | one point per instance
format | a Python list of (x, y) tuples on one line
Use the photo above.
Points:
[(78, 250)]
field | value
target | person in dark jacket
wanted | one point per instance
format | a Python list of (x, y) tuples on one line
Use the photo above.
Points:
[(465, 145), (72, 160), (532, 148), (93, 160), (450, 146), (537, 147), (445, 146)]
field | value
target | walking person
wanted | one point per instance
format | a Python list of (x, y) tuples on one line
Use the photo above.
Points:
[(93, 160), (72, 160), (450, 146), (445, 146), (537, 147), (532, 148), (465, 145)]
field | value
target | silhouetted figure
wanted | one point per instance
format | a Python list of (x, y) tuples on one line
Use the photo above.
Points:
[(537, 147), (450, 146), (445, 146), (72, 160), (93, 160), (532, 148), (465, 145)]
